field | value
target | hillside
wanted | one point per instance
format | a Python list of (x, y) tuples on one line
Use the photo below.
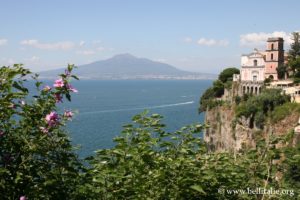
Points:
[(126, 66)]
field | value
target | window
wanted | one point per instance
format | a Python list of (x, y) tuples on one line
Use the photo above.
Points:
[(254, 78), (272, 46), (271, 56), (255, 62)]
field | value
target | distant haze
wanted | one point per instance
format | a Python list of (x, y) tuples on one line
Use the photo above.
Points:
[(126, 66)]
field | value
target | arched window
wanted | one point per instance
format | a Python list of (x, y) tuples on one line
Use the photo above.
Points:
[(255, 62), (271, 56), (272, 46)]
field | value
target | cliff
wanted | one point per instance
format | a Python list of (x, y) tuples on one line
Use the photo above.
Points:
[(227, 132)]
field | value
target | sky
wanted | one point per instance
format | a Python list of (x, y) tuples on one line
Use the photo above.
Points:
[(193, 35)]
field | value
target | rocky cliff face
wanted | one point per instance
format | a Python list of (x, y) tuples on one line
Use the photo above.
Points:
[(228, 133)]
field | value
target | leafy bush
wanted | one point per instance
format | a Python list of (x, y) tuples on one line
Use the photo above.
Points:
[(208, 99), (237, 100), (227, 74), (36, 157), (150, 163), (285, 110), (258, 107)]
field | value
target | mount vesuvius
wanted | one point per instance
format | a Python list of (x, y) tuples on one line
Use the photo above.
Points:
[(126, 66)]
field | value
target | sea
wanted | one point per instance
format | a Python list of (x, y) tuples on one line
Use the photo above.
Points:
[(103, 107)]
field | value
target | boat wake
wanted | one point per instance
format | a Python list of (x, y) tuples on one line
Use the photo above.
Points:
[(138, 108)]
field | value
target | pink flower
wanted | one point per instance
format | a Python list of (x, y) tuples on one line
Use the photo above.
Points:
[(47, 88), (22, 198), (68, 114), (71, 88), (58, 97), (58, 83), (52, 119), (44, 130)]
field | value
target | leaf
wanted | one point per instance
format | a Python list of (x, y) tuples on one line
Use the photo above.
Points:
[(19, 87), (198, 188), (118, 152), (68, 96), (296, 157), (75, 77)]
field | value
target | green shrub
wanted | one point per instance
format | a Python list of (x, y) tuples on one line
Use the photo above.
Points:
[(217, 89), (227, 74), (36, 157), (257, 108), (285, 110)]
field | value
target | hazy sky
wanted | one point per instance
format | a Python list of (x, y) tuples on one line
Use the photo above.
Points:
[(199, 35)]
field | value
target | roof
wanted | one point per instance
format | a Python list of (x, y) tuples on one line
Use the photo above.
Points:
[(253, 53), (272, 39)]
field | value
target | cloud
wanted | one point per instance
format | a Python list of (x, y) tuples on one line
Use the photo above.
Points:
[(188, 39), (81, 43), (212, 42), (34, 59), (86, 52), (100, 48), (3, 42), (162, 60), (65, 45), (259, 39)]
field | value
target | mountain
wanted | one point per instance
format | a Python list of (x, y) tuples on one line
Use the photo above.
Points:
[(126, 66)]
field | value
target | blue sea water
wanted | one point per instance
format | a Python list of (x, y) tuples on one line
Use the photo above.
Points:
[(104, 106)]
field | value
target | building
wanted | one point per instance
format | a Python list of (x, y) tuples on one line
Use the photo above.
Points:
[(253, 67), (259, 65), (274, 57)]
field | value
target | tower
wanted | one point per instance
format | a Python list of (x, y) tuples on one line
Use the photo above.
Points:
[(274, 57)]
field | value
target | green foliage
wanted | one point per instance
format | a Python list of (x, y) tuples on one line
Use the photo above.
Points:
[(36, 157), (285, 110), (208, 99), (294, 54), (281, 71), (257, 108), (292, 165), (150, 163), (237, 100), (227, 74)]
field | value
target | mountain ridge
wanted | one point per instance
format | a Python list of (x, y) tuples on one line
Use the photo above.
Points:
[(127, 66)]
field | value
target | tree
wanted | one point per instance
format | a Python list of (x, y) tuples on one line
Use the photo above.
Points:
[(281, 71), (294, 53), (227, 74)]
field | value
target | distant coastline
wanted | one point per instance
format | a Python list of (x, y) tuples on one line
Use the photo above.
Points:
[(142, 77), (129, 67)]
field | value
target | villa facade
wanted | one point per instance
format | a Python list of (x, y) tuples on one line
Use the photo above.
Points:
[(259, 65)]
